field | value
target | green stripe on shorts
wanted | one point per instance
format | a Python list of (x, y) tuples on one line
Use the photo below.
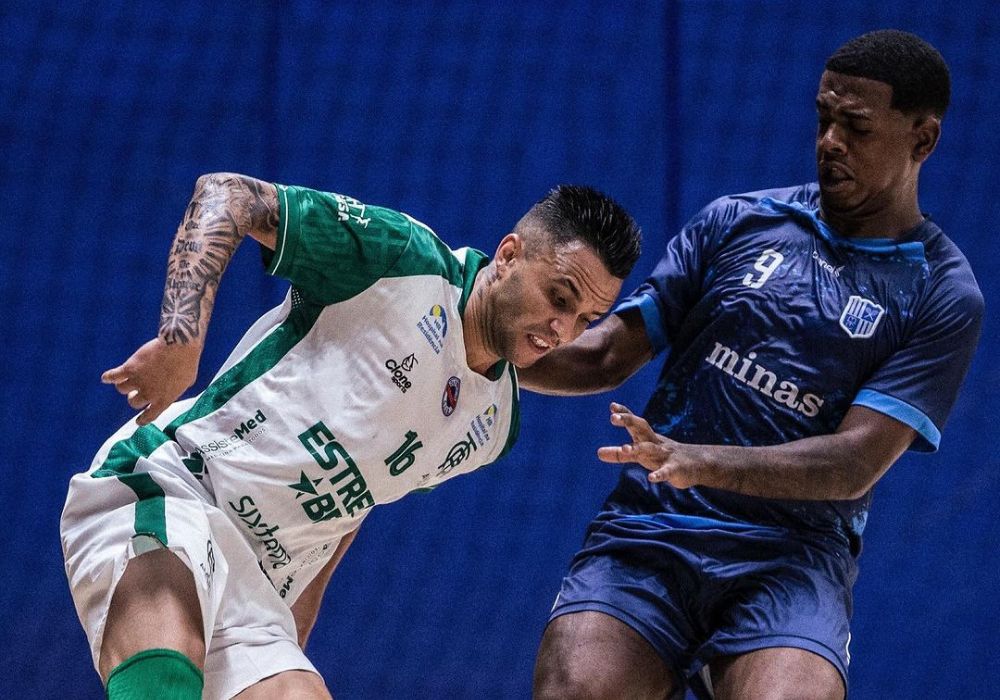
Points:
[(150, 509)]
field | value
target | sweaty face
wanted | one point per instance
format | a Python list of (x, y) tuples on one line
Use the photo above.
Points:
[(864, 148), (548, 298)]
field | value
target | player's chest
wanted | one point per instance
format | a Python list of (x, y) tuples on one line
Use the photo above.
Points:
[(400, 395), (811, 294)]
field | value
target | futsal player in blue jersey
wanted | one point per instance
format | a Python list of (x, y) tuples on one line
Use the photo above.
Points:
[(812, 335)]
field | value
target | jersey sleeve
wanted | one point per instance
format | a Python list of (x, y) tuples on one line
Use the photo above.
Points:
[(332, 247), (676, 282), (919, 383)]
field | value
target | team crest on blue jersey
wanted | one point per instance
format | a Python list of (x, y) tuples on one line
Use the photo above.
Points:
[(860, 317), (449, 399), (434, 327)]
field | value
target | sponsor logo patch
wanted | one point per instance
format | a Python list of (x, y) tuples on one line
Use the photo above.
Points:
[(748, 371), (860, 317), (247, 512), (449, 399), (249, 430), (400, 371), (434, 327)]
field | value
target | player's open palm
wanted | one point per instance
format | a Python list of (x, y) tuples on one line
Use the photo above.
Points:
[(155, 376), (666, 459)]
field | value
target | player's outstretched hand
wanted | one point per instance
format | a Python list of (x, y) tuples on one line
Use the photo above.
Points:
[(666, 459), (155, 376)]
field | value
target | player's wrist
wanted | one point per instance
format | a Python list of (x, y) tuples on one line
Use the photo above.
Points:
[(189, 345)]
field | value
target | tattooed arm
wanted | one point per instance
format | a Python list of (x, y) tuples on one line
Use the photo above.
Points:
[(224, 208)]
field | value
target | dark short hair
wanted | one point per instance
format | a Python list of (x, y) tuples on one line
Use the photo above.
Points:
[(576, 212), (913, 68)]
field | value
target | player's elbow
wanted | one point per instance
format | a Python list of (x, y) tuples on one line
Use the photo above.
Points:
[(207, 181), (854, 491), (599, 368), (611, 371), (860, 478)]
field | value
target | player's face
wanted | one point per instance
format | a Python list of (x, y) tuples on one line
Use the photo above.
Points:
[(866, 152), (547, 298)]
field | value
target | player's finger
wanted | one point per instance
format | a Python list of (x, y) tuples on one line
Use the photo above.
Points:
[(136, 400), (636, 426), (619, 408), (126, 386), (658, 475), (150, 414), (615, 454), (647, 454), (624, 453), (114, 375)]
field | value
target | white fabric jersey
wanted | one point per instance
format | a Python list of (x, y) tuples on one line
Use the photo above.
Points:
[(352, 393)]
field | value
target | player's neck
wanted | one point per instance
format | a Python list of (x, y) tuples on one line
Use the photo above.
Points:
[(478, 354), (885, 223)]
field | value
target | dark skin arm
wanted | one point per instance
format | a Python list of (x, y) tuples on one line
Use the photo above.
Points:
[(601, 359), (840, 466), (844, 465), (224, 208)]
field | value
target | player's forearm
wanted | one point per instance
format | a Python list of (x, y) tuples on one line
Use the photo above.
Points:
[(827, 467), (224, 208), (599, 360), (568, 371)]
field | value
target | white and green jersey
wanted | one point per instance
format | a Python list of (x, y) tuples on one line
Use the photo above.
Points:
[(354, 392)]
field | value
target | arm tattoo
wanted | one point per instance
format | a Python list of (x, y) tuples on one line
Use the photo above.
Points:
[(223, 209)]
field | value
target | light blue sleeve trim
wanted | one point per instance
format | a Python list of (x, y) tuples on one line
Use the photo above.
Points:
[(928, 436), (650, 317)]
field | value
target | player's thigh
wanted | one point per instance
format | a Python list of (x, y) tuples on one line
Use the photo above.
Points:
[(592, 655), (303, 685), (775, 674), (155, 605)]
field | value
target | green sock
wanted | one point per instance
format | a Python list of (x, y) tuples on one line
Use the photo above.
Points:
[(155, 674)]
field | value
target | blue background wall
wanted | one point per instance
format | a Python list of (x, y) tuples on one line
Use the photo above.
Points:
[(461, 114)]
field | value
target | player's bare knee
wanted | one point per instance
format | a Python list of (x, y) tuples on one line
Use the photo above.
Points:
[(776, 674), (806, 692), (571, 666), (155, 605), (570, 682)]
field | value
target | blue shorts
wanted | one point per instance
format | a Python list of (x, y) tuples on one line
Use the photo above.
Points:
[(696, 588)]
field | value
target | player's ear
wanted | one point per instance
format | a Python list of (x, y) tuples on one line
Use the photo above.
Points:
[(511, 248), (927, 133)]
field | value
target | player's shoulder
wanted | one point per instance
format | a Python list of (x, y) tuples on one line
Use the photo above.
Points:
[(953, 282), (729, 208), (427, 254)]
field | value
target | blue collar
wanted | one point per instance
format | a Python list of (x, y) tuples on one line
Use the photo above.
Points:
[(911, 250)]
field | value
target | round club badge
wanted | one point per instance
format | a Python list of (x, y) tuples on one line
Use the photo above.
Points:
[(449, 399)]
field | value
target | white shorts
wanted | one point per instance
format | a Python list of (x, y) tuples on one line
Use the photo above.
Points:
[(249, 630)]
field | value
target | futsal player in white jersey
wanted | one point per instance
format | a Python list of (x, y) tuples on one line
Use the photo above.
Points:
[(200, 542)]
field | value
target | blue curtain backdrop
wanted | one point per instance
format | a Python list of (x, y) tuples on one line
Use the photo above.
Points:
[(461, 114)]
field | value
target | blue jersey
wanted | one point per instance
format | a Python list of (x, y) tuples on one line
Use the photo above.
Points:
[(776, 326)]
